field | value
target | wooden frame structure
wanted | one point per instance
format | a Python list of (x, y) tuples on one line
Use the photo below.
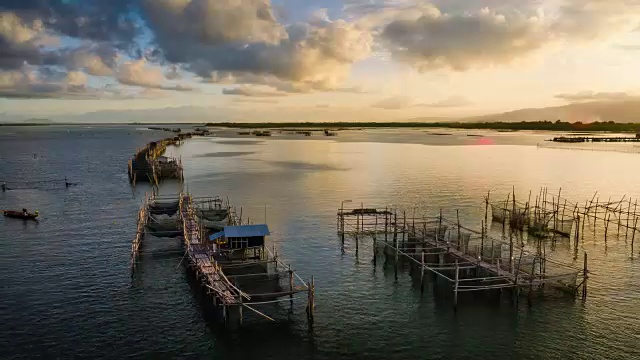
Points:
[(552, 213), (467, 259), (222, 276)]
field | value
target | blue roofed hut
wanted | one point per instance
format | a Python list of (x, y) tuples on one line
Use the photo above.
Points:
[(243, 241)]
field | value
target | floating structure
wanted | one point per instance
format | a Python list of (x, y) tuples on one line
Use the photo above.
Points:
[(149, 164), (233, 265), (261, 133), (583, 139), (465, 259)]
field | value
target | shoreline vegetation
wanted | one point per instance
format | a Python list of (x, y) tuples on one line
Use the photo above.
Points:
[(609, 126)]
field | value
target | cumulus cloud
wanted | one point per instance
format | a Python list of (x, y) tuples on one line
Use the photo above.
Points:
[(437, 40), (463, 40), (308, 56), (140, 73), (31, 83), (19, 41), (595, 96), (95, 60)]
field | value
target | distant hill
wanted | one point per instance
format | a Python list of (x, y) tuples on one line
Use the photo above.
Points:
[(38, 121), (626, 111)]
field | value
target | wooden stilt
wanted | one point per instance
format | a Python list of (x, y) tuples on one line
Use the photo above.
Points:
[(422, 272), (455, 288), (585, 275)]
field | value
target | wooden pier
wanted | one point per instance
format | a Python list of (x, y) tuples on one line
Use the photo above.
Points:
[(235, 268)]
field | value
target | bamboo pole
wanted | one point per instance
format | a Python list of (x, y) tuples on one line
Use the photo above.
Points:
[(422, 272), (585, 274), (460, 245), (626, 234), (633, 236), (455, 289)]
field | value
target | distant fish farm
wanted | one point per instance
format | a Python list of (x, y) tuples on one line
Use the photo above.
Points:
[(594, 139), (464, 259), (229, 258)]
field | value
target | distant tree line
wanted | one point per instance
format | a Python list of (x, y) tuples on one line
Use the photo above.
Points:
[(558, 125)]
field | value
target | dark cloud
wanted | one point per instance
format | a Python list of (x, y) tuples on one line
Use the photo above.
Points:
[(98, 20)]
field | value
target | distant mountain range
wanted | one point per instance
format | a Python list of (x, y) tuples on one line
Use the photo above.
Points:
[(623, 111)]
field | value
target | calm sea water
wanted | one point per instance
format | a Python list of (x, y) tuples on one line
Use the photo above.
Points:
[(67, 291)]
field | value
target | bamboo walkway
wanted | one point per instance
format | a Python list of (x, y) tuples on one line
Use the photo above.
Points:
[(201, 259), (227, 274)]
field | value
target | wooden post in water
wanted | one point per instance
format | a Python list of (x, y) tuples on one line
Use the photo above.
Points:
[(356, 235), (626, 233), (404, 229), (290, 286), (375, 244), (422, 272), (460, 245), (633, 236), (533, 272), (606, 227), (240, 308), (413, 222), (439, 226), (310, 299), (586, 216), (577, 237), (486, 209), (386, 223), (455, 288), (395, 228), (482, 241), (362, 218), (585, 276), (395, 264)]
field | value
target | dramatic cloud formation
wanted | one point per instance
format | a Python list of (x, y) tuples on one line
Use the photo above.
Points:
[(593, 96), (29, 83), (252, 42), (72, 48), (486, 37)]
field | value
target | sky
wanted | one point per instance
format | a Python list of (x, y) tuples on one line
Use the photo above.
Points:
[(314, 60)]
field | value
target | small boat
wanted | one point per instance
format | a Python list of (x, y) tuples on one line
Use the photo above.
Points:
[(20, 214)]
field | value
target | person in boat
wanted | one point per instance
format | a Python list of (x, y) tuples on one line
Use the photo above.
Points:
[(24, 212)]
